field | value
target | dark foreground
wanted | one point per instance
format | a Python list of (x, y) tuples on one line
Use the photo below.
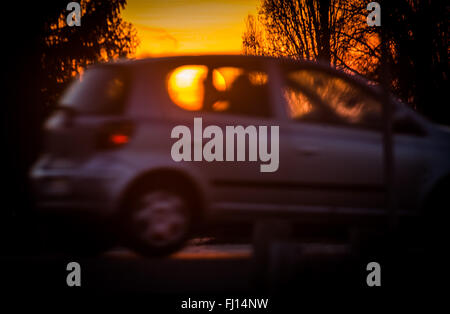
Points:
[(288, 276)]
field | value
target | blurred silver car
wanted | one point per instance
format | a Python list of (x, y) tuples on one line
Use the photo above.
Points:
[(108, 148)]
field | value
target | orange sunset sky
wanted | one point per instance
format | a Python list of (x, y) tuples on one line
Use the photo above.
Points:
[(168, 27)]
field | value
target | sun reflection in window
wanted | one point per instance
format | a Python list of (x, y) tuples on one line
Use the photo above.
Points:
[(186, 85)]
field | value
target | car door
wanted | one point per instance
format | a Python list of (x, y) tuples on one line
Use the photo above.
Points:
[(232, 95), (336, 152)]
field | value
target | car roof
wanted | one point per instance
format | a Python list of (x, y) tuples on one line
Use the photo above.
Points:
[(213, 58), (210, 58)]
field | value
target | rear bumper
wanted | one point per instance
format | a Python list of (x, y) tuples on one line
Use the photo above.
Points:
[(76, 191), (59, 194)]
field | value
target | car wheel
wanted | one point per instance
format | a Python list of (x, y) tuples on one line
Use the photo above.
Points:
[(159, 221)]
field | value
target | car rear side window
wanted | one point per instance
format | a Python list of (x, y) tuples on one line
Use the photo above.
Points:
[(97, 91), (221, 89)]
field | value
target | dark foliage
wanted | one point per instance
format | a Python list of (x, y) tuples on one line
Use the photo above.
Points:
[(336, 32)]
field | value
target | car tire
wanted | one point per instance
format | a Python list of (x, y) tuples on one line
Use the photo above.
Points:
[(158, 219)]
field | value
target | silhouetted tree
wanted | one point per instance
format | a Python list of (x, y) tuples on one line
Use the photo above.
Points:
[(335, 31), (253, 40), (417, 34), (102, 36), (332, 31)]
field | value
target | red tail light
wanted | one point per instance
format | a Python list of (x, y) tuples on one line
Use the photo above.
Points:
[(119, 139), (115, 134)]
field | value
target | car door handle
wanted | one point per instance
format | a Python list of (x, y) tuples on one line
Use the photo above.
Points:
[(308, 150)]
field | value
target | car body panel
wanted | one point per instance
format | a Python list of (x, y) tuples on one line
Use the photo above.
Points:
[(324, 170)]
